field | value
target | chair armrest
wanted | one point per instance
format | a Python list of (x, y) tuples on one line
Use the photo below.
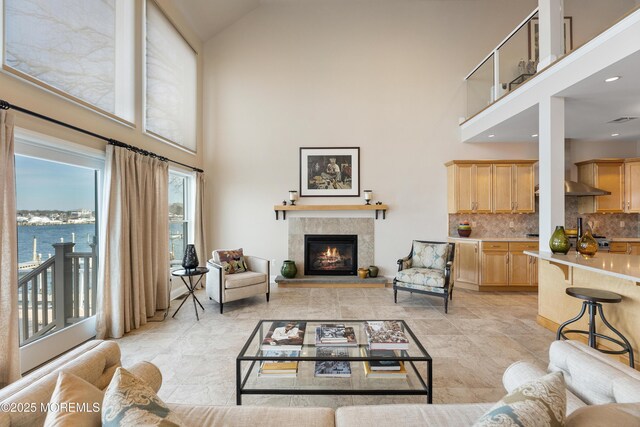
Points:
[(404, 263), (259, 265)]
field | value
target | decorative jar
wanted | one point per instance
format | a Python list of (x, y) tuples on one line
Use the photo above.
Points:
[(362, 273), (587, 245), (190, 259), (289, 269), (559, 242), (373, 271)]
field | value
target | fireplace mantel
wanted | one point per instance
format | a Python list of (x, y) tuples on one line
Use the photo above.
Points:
[(285, 208)]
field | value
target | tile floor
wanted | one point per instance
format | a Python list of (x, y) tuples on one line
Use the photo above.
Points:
[(471, 346)]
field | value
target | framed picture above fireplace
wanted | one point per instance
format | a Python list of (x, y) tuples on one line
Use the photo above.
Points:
[(330, 172)]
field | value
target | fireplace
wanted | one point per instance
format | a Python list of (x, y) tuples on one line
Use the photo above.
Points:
[(330, 254)]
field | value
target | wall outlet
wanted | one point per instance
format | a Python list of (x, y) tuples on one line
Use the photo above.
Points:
[(473, 224), (273, 263), (511, 224), (621, 224)]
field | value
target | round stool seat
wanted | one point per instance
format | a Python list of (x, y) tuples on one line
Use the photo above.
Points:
[(594, 295)]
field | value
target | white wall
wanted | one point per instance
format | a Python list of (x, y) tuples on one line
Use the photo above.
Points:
[(578, 151), (386, 76)]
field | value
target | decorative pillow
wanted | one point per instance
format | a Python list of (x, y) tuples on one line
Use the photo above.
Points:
[(429, 255), (74, 402), (538, 403), (129, 401), (232, 261)]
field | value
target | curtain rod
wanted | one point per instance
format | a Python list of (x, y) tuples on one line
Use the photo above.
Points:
[(4, 105)]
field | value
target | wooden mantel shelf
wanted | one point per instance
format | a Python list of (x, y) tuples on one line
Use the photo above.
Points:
[(285, 208)]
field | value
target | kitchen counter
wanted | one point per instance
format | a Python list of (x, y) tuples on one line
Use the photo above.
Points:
[(624, 239), (494, 239), (626, 267)]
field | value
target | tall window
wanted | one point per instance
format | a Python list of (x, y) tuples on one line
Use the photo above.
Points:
[(181, 208), (78, 48), (56, 196), (171, 79)]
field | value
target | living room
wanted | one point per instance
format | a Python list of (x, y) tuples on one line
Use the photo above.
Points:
[(275, 77)]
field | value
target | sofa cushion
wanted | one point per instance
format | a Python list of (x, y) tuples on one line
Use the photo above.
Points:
[(240, 280), (613, 414), (410, 415), (421, 278), (538, 403), (231, 260), (429, 255), (263, 416), (130, 401), (74, 402)]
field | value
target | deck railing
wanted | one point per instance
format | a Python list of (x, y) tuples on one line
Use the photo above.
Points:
[(57, 293)]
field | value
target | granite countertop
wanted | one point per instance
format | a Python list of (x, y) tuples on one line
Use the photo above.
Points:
[(496, 239), (621, 266)]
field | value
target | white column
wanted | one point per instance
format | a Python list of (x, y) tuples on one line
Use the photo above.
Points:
[(550, 31), (551, 167)]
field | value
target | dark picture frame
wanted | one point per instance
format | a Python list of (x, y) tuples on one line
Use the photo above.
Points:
[(533, 27), (329, 171)]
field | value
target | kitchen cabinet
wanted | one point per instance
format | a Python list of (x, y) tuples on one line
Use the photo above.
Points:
[(523, 269), (631, 201), (513, 188), (490, 186), (469, 188), (605, 174), (629, 248), (465, 267), (495, 264)]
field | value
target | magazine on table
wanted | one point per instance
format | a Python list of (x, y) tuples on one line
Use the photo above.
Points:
[(332, 368), (386, 335), (382, 365), (280, 365), (335, 336), (284, 336)]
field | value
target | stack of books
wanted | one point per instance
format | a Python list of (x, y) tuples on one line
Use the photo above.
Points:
[(279, 368), (335, 335), (383, 368), (386, 335), (284, 336), (332, 368)]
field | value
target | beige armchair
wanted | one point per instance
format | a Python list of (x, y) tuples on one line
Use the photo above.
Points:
[(225, 286)]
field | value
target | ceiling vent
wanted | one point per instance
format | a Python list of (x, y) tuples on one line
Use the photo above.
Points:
[(622, 120)]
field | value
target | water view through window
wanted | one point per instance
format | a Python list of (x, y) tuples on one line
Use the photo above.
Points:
[(57, 245)]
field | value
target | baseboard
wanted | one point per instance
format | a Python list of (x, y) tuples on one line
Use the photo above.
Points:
[(485, 288), (553, 326)]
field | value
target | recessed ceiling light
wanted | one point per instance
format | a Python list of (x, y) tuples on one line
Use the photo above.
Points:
[(534, 135), (491, 136), (615, 134), (612, 79)]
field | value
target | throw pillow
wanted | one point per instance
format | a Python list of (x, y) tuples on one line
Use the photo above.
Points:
[(129, 401), (74, 402), (429, 255), (231, 260), (538, 403)]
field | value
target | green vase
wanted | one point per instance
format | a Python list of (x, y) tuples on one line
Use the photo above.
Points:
[(373, 271), (559, 242), (289, 269)]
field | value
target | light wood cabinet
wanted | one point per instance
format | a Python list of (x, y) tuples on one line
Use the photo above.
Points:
[(490, 186), (465, 267), (632, 186), (629, 248), (495, 264), (605, 174), (523, 269), (469, 188)]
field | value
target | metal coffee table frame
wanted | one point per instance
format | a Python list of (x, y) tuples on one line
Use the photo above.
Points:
[(402, 355)]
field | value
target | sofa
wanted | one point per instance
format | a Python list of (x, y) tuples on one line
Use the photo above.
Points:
[(601, 392)]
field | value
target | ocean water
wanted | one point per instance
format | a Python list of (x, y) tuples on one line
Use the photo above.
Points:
[(47, 235)]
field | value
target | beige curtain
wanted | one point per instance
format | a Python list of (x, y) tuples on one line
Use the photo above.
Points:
[(134, 242), (9, 343), (200, 222)]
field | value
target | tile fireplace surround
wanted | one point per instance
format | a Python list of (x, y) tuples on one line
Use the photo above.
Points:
[(362, 227)]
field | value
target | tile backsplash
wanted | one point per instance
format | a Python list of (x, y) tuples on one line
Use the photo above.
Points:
[(499, 225)]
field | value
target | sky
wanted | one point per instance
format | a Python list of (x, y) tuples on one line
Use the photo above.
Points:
[(45, 185)]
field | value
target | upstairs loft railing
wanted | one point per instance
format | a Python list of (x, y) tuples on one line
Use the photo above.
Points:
[(57, 293)]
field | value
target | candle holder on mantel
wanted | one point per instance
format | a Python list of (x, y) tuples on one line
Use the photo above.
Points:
[(368, 195), (293, 196)]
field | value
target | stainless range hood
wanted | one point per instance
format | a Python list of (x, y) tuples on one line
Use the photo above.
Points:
[(572, 188)]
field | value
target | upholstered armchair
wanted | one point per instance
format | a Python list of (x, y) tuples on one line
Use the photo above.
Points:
[(235, 276), (426, 270)]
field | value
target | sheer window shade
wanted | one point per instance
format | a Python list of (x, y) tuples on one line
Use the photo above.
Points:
[(76, 47), (171, 80)]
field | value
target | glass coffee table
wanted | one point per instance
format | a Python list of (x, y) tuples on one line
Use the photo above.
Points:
[(417, 363)]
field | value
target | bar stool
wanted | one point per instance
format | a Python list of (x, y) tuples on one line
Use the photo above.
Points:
[(592, 299)]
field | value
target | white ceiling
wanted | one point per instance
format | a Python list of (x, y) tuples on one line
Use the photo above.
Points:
[(209, 17), (590, 105)]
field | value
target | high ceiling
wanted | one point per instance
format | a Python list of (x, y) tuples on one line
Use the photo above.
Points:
[(209, 17)]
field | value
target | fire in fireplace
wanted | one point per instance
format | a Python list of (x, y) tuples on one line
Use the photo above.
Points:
[(334, 255)]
